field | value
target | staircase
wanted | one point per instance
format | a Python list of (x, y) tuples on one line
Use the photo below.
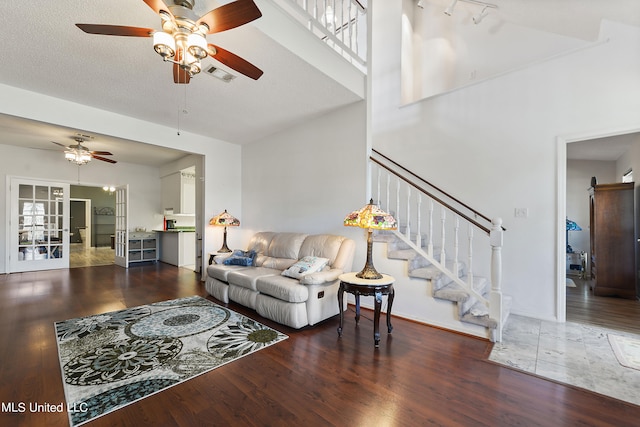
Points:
[(448, 267)]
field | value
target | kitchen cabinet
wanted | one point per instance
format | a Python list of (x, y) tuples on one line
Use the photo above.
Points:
[(178, 248), (142, 246), (179, 193)]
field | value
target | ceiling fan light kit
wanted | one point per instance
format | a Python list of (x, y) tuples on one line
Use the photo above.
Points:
[(182, 40), (81, 155)]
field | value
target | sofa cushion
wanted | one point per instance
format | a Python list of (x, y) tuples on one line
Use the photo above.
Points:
[(282, 288), (286, 245), (323, 246), (306, 265), (220, 272), (277, 263), (246, 278), (260, 242)]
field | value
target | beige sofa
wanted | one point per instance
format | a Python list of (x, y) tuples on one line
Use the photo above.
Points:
[(289, 301)]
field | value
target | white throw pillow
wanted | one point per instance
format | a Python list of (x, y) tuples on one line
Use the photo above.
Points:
[(307, 265)]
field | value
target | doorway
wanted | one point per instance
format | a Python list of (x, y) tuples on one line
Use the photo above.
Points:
[(580, 159), (92, 226)]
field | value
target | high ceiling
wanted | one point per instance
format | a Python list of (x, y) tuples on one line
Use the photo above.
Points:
[(44, 52)]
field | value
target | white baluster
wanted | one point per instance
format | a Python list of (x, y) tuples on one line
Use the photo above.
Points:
[(456, 264), (443, 217), (388, 195), (470, 270), (398, 201), (419, 222), (408, 233), (378, 183), (430, 245)]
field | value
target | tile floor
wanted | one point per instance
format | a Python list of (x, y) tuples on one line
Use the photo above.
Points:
[(571, 353), (80, 256)]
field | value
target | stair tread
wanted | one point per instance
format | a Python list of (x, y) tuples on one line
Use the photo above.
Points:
[(458, 293)]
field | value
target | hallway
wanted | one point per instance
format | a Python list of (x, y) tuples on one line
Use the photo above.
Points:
[(80, 256)]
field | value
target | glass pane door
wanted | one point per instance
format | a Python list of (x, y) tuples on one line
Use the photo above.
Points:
[(40, 238), (122, 234)]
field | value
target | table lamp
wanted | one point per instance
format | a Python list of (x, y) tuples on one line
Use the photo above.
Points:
[(224, 220), (370, 217)]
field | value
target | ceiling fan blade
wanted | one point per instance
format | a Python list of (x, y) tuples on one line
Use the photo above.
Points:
[(157, 6), (116, 30), (230, 15), (102, 153), (61, 145), (104, 159), (234, 61)]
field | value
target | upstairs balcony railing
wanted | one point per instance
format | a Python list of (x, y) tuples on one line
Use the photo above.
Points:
[(341, 24), (434, 224)]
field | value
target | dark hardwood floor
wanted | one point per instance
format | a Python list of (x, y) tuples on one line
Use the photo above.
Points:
[(419, 375), (609, 312)]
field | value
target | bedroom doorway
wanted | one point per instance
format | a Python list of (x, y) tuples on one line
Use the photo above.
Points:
[(604, 157)]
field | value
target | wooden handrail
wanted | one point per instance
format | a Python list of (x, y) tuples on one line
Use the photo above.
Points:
[(434, 187)]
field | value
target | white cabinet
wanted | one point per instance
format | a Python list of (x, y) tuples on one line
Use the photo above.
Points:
[(142, 246), (178, 248), (179, 193)]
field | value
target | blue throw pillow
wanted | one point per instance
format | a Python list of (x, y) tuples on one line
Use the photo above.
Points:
[(239, 257)]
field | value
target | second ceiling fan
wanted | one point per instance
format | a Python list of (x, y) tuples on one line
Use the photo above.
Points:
[(182, 40)]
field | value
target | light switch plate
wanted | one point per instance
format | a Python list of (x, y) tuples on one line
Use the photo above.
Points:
[(521, 212)]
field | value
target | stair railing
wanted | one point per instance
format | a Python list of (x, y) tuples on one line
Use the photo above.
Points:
[(341, 24), (403, 193)]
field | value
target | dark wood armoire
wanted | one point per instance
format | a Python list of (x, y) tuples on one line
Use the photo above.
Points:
[(612, 240)]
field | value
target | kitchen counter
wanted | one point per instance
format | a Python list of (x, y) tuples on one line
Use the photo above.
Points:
[(178, 247)]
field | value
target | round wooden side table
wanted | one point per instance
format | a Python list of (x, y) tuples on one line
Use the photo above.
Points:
[(367, 287)]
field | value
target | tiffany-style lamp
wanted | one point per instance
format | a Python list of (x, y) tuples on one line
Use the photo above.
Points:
[(370, 217), (225, 220)]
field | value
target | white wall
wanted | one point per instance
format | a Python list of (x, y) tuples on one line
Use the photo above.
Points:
[(308, 178), (221, 159), (579, 173), (494, 144)]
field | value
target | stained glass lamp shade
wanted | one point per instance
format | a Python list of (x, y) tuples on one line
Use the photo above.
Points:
[(370, 217), (225, 220)]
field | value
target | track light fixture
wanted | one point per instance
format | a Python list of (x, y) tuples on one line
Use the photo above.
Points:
[(449, 10), (476, 18), (480, 16)]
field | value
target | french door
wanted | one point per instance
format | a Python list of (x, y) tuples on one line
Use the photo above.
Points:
[(122, 234), (39, 225)]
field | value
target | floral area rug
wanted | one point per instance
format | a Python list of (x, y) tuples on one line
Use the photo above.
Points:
[(113, 359)]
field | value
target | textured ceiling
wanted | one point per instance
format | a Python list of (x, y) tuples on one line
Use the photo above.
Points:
[(44, 52)]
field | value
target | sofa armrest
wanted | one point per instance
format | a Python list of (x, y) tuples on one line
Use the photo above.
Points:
[(321, 277)]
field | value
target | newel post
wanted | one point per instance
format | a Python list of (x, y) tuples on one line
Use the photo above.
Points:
[(495, 300)]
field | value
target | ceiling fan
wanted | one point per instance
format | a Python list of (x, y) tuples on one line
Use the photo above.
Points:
[(79, 154), (182, 38)]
